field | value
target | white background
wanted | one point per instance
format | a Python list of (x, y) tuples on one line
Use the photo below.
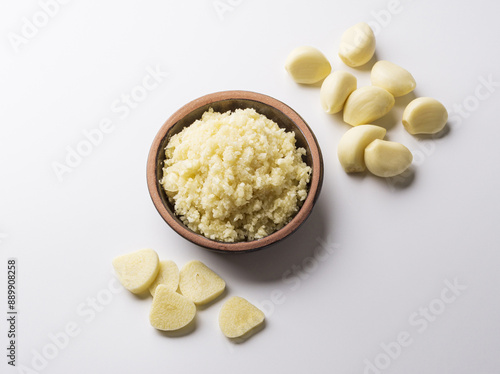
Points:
[(392, 245)]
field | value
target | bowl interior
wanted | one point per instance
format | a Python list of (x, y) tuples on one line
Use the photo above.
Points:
[(222, 106)]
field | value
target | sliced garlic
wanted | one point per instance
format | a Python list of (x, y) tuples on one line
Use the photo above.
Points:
[(335, 90), (393, 78), (387, 159), (137, 270), (199, 283), (351, 148), (168, 275), (357, 45), (170, 311), (307, 65), (366, 104), (424, 115), (237, 317)]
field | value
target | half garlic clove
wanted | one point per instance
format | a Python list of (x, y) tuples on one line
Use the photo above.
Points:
[(351, 148), (307, 65), (384, 158), (237, 317), (335, 90), (393, 78), (199, 283), (367, 104), (168, 275), (424, 115), (170, 311), (137, 270), (357, 45)]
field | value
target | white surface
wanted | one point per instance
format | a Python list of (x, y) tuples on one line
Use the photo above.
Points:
[(394, 246)]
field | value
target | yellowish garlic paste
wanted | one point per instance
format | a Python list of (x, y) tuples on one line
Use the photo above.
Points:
[(235, 176)]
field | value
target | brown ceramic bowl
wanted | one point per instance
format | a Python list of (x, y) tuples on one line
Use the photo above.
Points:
[(282, 114)]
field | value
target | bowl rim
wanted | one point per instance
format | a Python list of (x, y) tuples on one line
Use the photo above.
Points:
[(304, 211)]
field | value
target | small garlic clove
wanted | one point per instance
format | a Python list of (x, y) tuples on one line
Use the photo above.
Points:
[(335, 90), (307, 65), (357, 45), (393, 78), (384, 158), (367, 104), (424, 115), (351, 148)]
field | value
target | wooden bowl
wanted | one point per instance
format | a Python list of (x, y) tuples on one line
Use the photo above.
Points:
[(273, 109)]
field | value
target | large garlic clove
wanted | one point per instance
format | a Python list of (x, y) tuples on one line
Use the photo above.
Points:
[(335, 90), (357, 45), (387, 159), (351, 148), (307, 65), (424, 115), (393, 78), (367, 104)]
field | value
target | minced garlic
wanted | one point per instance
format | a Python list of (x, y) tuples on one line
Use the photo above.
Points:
[(235, 176)]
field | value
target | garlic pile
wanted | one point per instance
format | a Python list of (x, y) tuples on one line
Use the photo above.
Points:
[(363, 147)]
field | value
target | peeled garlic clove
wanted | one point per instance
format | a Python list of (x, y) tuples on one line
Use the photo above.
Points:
[(424, 115), (366, 104), (335, 90), (387, 159), (351, 148), (307, 65), (357, 45), (393, 78)]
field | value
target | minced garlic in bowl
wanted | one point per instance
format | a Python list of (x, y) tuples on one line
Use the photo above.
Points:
[(235, 176)]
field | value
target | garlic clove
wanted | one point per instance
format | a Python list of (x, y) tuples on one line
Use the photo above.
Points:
[(307, 65), (384, 158), (424, 115), (393, 78), (335, 90), (367, 104), (351, 148), (357, 45)]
